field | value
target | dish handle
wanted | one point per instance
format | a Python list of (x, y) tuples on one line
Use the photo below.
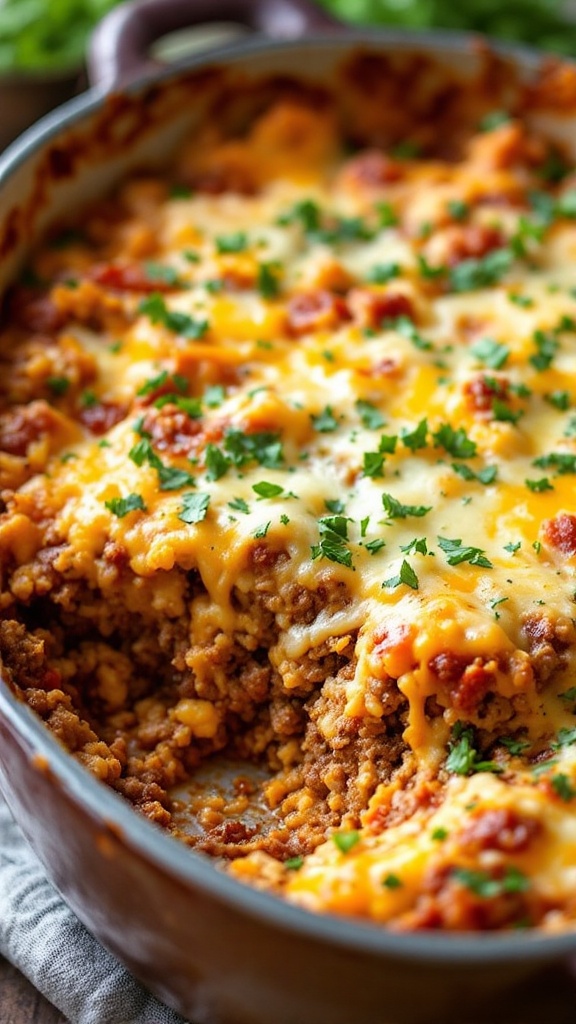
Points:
[(120, 45)]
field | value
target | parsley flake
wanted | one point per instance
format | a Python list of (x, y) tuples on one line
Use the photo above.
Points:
[(481, 272), (345, 841), (264, 489), (539, 486), (406, 576), (373, 464), (294, 863), (396, 510), (370, 416), (333, 537), (563, 787), (417, 438), (268, 280), (561, 462), (194, 507), (457, 553), (491, 353), (455, 442), (381, 273), (486, 475), (439, 834), (239, 505), (487, 886), (58, 385), (392, 881), (235, 242), (463, 758), (546, 347), (120, 507), (154, 306), (325, 422)]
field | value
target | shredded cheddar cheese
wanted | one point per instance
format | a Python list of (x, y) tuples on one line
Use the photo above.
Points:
[(297, 482)]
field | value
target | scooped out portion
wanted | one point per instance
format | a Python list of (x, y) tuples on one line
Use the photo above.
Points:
[(287, 457)]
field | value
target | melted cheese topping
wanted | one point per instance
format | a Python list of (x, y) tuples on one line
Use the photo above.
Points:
[(378, 382)]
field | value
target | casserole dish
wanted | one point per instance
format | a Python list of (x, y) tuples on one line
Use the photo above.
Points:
[(175, 921)]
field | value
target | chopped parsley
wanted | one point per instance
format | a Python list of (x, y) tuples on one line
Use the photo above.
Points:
[(217, 463), (264, 448), (546, 347), (213, 396), (406, 576), (457, 553), (376, 545), (333, 538), (455, 442), (262, 530), (172, 479), (392, 881), (191, 406), (427, 270), (394, 509), (405, 326), (463, 758), (513, 547), (514, 747), (502, 412), (561, 462), (481, 272), (387, 218), (88, 399), (120, 507), (268, 280), (539, 486), (439, 834), (154, 306), (325, 422), (494, 119), (370, 416), (563, 787), (559, 399), (524, 301), (294, 863), (417, 544), (345, 841), (194, 507), (486, 475), (235, 242), (565, 738), (163, 273), (491, 353), (373, 464), (239, 505), (458, 209), (417, 438), (381, 273), (569, 695), (58, 385), (487, 886), (264, 489)]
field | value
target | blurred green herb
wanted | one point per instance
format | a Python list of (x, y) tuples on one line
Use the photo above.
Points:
[(544, 23), (35, 35)]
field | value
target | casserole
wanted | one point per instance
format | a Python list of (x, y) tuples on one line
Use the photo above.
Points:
[(122, 121)]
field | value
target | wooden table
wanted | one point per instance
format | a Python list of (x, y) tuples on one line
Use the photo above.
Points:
[(20, 1003)]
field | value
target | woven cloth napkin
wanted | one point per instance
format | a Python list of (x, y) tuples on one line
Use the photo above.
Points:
[(41, 936)]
